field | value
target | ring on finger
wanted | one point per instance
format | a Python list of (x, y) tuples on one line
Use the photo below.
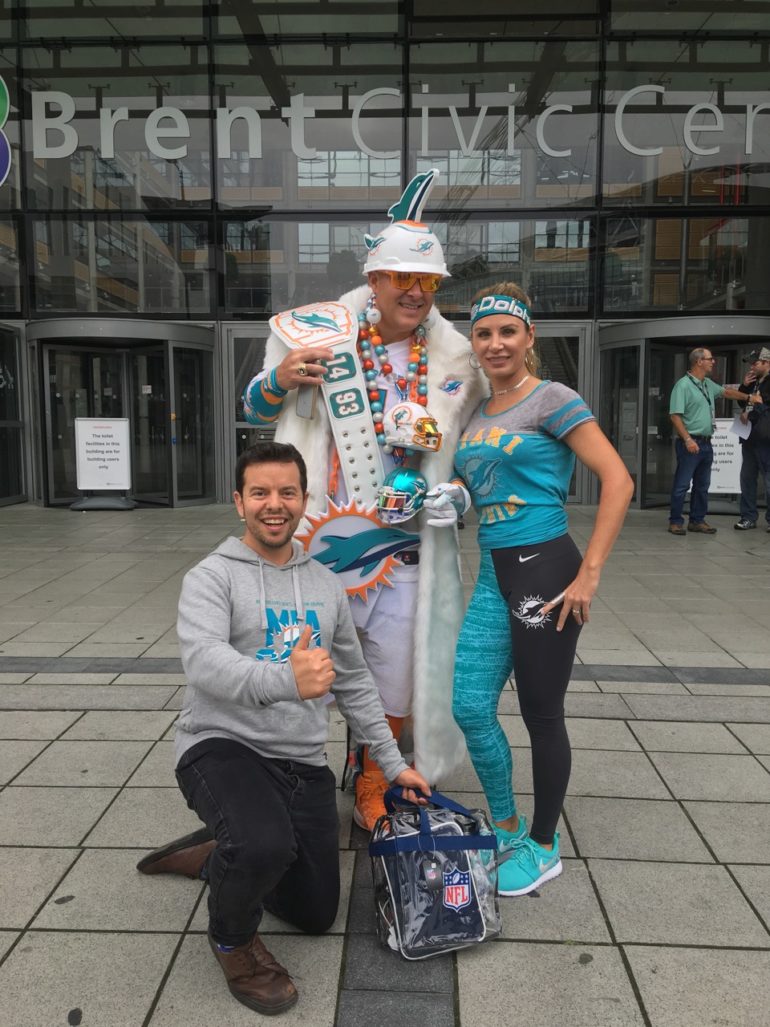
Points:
[(302, 369), (576, 611)]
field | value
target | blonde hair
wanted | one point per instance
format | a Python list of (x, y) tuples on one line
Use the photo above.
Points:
[(531, 360)]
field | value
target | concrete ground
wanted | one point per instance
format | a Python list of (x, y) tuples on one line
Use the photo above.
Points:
[(660, 918)]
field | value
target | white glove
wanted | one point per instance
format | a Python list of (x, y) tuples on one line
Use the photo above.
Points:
[(445, 503)]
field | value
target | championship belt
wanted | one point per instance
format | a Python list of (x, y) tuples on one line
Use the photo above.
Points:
[(344, 388)]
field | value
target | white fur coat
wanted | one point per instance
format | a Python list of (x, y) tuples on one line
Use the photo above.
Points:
[(439, 743)]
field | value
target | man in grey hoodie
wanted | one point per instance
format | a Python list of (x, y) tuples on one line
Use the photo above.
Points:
[(265, 634)]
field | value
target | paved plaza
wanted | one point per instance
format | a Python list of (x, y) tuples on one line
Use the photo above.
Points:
[(661, 917)]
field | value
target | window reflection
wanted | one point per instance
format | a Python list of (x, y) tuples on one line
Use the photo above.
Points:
[(105, 18), (700, 16), (708, 263), (10, 288), (272, 265), (121, 266)]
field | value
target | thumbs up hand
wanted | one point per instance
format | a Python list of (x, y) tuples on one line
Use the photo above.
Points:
[(313, 670)]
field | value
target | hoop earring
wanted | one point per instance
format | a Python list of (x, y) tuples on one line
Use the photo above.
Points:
[(471, 358)]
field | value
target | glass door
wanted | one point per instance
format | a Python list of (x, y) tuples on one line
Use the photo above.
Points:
[(192, 424), (620, 413), (80, 383), (150, 436), (11, 424)]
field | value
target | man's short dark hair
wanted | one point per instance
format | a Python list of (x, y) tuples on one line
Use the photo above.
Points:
[(270, 453)]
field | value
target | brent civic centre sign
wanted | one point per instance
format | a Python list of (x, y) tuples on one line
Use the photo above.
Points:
[(167, 129)]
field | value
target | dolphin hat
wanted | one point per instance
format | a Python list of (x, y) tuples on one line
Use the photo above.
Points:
[(407, 244)]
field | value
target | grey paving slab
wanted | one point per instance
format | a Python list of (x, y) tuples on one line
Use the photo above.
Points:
[(14, 757), (75, 678), (85, 763), (143, 818), (31, 724), (27, 877), (674, 736), (130, 649), (698, 688), (683, 987), (137, 678), (643, 687), (584, 733), (748, 709), (579, 985), (156, 769), (713, 776), (675, 904), (54, 631), (13, 678), (737, 832), (196, 994), (104, 892), (34, 648), (389, 1007), (84, 697), (755, 737), (622, 774), (597, 705), (141, 725), (565, 909), (754, 881), (50, 816), (368, 965), (89, 979), (645, 829)]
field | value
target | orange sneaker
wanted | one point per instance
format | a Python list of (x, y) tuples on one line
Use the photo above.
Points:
[(370, 789)]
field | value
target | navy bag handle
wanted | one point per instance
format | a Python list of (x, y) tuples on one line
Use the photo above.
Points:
[(425, 841)]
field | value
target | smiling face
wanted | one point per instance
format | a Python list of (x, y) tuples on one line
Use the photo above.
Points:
[(272, 505), (501, 343), (402, 309)]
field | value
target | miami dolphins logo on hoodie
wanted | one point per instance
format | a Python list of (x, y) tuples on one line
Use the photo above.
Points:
[(282, 634)]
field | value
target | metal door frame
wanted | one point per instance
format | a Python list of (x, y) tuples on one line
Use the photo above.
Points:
[(19, 422)]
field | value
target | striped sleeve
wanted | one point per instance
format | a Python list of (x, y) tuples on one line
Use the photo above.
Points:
[(567, 411), (263, 399)]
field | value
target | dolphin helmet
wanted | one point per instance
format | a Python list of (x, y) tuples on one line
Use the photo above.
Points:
[(410, 426), (407, 244), (401, 495)]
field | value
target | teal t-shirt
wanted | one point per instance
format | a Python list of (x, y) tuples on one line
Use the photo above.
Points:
[(693, 400), (517, 467)]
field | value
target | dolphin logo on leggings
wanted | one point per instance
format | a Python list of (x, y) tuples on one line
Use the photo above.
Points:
[(530, 612)]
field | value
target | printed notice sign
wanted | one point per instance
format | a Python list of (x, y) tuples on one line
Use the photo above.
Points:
[(103, 453), (726, 468)]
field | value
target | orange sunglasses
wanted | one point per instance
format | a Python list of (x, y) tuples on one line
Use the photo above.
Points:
[(405, 280)]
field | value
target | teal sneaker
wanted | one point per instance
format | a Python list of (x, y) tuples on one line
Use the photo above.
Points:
[(508, 840), (527, 866)]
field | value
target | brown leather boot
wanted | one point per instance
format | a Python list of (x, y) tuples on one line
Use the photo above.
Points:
[(255, 978), (186, 856), (371, 785)]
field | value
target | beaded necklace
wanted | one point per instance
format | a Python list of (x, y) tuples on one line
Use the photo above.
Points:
[(413, 386)]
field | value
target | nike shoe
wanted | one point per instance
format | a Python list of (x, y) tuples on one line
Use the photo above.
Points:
[(744, 524), (507, 840), (527, 866)]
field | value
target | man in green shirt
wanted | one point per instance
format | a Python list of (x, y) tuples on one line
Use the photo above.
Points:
[(692, 413)]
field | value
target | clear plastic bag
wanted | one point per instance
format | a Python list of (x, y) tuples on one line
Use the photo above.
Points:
[(435, 877)]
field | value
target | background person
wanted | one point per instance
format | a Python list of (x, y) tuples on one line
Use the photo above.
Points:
[(516, 458), (265, 634), (691, 409), (407, 353), (755, 450)]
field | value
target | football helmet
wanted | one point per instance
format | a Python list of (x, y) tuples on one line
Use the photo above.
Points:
[(401, 495), (410, 426), (407, 244)]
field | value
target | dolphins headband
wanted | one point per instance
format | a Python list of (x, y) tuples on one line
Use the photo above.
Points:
[(500, 305)]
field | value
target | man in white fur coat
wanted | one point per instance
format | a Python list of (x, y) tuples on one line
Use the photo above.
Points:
[(406, 381)]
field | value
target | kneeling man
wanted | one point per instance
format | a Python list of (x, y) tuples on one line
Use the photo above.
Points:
[(265, 634)]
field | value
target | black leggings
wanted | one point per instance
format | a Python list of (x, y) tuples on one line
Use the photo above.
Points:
[(503, 632)]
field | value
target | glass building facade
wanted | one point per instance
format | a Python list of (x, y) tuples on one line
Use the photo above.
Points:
[(208, 164)]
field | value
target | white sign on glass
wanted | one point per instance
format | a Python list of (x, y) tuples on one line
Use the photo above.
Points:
[(103, 453), (726, 468)]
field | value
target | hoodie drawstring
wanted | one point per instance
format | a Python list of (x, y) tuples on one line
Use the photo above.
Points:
[(262, 603), (300, 606)]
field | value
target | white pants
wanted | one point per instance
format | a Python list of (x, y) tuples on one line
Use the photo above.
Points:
[(385, 627)]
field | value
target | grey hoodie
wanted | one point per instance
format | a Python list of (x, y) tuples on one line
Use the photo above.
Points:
[(239, 619)]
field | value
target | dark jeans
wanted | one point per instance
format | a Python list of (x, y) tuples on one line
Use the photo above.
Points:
[(695, 468), (755, 459), (276, 826)]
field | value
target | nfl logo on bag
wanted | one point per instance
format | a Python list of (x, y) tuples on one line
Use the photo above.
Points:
[(457, 889)]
